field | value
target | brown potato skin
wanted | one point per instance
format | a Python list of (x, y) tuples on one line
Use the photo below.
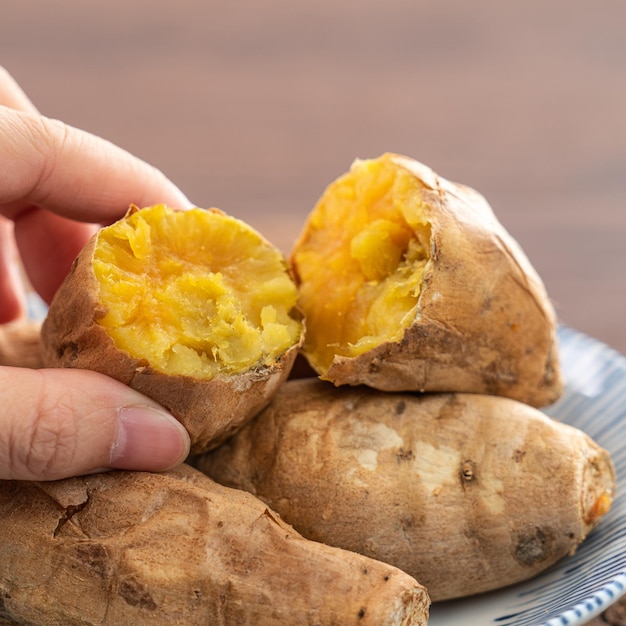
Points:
[(466, 493), (484, 322), (211, 410), (177, 548)]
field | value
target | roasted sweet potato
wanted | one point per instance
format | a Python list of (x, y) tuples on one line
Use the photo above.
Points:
[(193, 308), (408, 282), (467, 493), (176, 548)]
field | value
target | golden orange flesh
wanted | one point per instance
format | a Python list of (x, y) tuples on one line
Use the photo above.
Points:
[(360, 261), (194, 292)]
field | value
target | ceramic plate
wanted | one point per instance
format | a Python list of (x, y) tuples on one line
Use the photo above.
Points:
[(581, 586)]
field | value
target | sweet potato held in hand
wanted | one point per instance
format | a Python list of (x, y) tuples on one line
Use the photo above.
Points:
[(176, 548), (192, 308), (467, 493), (408, 282)]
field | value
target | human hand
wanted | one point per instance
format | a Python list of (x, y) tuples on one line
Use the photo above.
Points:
[(57, 184)]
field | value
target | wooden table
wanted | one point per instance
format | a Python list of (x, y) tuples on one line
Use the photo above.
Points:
[(255, 106)]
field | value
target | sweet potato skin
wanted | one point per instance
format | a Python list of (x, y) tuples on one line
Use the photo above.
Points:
[(176, 548), (467, 493), (484, 322), (210, 410)]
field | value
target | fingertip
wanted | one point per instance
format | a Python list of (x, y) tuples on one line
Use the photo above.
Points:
[(57, 423), (148, 439), (12, 95), (181, 201)]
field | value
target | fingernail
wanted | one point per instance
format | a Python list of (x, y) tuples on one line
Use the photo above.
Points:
[(148, 439)]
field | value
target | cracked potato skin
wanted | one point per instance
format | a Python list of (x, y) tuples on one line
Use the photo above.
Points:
[(466, 493), (177, 548), (210, 410)]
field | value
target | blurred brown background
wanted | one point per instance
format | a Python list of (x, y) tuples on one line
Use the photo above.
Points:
[(255, 106)]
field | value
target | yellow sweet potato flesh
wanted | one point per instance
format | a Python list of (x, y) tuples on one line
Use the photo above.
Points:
[(195, 293), (366, 248)]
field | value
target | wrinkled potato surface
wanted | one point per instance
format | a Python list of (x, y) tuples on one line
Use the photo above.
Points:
[(193, 308), (176, 548), (467, 493), (408, 282)]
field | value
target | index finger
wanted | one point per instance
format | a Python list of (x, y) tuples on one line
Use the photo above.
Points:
[(12, 95), (73, 173)]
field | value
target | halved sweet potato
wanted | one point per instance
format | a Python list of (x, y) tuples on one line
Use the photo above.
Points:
[(408, 282), (195, 309)]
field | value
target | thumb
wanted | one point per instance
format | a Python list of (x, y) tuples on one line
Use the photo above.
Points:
[(56, 423)]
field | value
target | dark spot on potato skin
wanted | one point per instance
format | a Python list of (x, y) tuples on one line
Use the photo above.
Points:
[(361, 613), (550, 369), (94, 556), (404, 455), (408, 522), (498, 376), (451, 409), (533, 546), (518, 455), (3, 599), (374, 366), (468, 472), (400, 407), (486, 306), (67, 352), (136, 593)]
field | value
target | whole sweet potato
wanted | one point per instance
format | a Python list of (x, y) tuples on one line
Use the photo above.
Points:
[(176, 548), (466, 493), (408, 282)]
